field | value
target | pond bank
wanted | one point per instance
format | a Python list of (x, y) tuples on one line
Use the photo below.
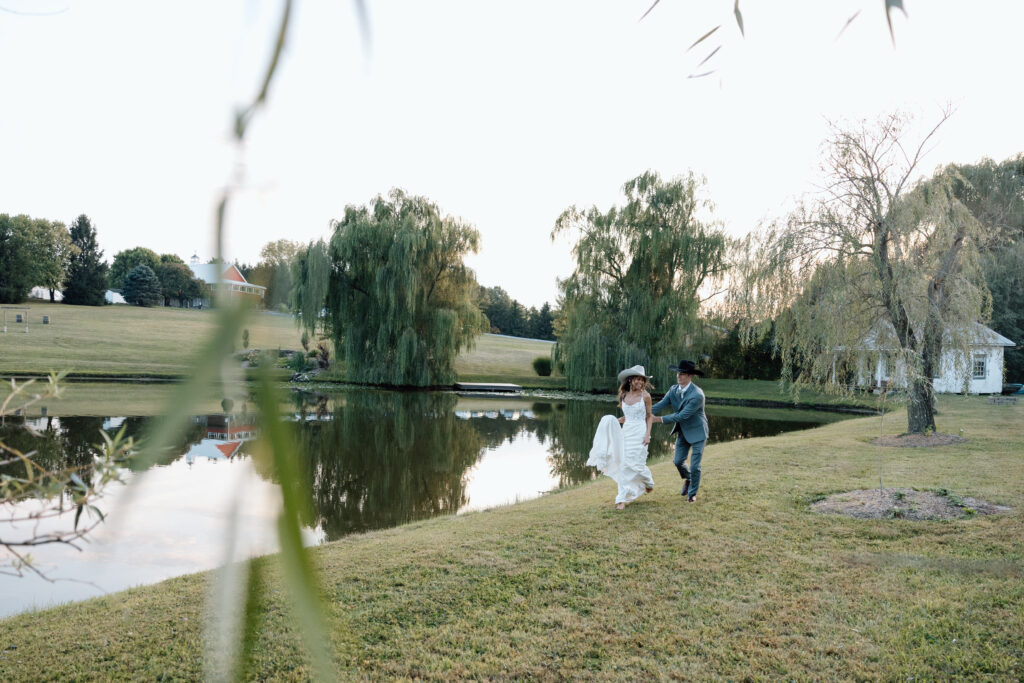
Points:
[(564, 586)]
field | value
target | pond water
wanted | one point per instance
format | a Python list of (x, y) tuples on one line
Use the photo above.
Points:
[(372, 459)]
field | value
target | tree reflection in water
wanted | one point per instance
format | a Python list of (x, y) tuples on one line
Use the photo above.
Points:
[(386, 458)]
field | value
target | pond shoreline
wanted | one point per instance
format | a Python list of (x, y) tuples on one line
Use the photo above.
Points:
[(528, 390)]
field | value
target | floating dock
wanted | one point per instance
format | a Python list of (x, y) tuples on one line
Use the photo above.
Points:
[(487, 386)]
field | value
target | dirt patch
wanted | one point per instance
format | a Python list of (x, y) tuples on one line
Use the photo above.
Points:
[(918, 440), (903, 504)]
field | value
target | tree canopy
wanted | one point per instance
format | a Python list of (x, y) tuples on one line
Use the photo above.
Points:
[(877, 264), (178, 282), (505, 315), (125, 261), (994, 193), (17, 272), (142, 287), (635, 293), (400, 300), (33, 252), (86, 282)]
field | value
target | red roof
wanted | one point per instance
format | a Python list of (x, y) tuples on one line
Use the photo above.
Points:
[(232, 273), (228, 449)]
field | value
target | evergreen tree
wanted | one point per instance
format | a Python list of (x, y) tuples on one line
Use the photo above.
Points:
[(86, 282), (400, 300), (142, 287)]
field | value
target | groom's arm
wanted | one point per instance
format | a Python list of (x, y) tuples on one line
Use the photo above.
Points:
[(692, 404), (660, 405)]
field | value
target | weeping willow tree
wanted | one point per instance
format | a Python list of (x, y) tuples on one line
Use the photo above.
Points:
[(399, 300), (878, 270), (311, 274), (635, 293)]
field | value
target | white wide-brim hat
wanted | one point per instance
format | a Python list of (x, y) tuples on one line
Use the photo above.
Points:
[(635, 371)]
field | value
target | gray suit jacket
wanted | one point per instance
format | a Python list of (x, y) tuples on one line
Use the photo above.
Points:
[(688, 412)]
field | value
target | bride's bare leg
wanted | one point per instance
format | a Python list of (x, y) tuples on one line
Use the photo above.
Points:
[(620, 506)]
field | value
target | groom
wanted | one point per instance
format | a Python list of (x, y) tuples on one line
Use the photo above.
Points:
[(691, 424)]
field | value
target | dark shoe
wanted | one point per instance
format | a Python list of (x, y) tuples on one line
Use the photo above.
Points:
[(686, 487), (692, 499)]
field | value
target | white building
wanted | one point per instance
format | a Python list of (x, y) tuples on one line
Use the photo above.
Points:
[(982, 372)]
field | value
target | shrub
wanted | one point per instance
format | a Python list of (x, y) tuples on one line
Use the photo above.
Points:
[(245, 338), (542, 366), (297, 362)]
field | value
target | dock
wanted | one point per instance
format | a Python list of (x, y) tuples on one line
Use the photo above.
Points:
[(487, 386)]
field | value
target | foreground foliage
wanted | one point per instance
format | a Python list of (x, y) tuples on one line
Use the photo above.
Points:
[(748, 583)]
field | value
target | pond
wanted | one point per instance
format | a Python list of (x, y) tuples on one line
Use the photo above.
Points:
[(372, 459)]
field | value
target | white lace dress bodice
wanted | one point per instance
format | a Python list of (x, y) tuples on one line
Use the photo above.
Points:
[(619, 452)]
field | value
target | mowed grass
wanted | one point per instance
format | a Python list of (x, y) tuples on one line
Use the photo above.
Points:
[(495, 358), (746, 584), (118, 341)]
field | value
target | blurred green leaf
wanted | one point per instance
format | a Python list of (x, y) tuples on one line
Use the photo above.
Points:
[(848, 22), (299, 575), (889, 5), (739, 18), (713, 53), (649, 9), (703, 38)]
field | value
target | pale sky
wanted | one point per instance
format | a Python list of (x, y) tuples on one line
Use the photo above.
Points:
[(503, 113)]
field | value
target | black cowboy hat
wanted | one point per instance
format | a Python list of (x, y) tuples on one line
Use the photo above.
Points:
[(686, 366)]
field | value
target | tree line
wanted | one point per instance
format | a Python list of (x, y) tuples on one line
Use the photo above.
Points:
[(882, 261)]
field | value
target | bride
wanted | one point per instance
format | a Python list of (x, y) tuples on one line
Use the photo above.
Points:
[(621, 451)]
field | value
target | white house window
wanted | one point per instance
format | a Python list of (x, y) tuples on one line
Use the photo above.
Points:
[(979, 366)]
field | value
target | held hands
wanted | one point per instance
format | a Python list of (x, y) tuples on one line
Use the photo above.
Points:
[(622, 420)]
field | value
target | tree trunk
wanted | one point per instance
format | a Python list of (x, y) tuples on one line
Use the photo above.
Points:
[(920, 406), (52, 297)]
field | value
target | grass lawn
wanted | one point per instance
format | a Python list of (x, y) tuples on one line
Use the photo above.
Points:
[(746, 584), (124, 340), (504, 359)]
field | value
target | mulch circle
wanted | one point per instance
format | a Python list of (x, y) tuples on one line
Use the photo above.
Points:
[(903, 504), (918, 440)]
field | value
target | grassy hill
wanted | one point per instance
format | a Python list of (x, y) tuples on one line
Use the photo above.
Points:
[(747, 584), (124, 340), (118, 341)]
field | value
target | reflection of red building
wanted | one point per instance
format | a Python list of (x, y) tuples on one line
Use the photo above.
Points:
[(228, 449), (230, 428)]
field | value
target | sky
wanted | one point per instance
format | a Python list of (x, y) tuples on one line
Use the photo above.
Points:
[(504, 114)]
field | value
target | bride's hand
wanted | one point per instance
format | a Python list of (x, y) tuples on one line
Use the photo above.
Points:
[(647, 439), (622, 420)]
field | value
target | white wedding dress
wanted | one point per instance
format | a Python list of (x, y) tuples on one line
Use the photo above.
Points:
[(619, 451)]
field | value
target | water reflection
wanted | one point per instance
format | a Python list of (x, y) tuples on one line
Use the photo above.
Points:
[(372, 459)]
